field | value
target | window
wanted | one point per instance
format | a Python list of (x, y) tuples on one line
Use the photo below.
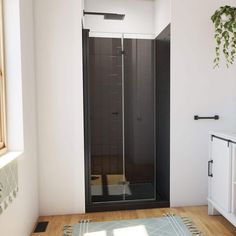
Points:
[(3, 139)]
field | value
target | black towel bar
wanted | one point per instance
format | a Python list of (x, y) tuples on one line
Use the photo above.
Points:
[(216, 117)]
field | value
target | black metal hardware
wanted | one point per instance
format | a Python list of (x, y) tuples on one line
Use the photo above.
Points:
[(210, 168), (122, 52), (224, 139), (115, 113), (216, 117)]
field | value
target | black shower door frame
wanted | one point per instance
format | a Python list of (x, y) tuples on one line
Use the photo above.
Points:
[(115, 205)]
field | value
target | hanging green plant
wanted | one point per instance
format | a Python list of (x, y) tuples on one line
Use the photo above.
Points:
[(224, 20)]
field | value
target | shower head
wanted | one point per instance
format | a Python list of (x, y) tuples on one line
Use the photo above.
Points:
[(112, 16), (107, 16)]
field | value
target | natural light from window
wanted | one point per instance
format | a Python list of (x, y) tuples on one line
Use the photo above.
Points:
[(138, 230), (3, 138), (98, 233)]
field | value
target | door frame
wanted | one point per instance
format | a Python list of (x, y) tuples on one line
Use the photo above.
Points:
[(109, 206)]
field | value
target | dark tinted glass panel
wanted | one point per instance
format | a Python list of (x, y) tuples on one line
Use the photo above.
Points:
[(139, 118), (163, 113), (106, 119)]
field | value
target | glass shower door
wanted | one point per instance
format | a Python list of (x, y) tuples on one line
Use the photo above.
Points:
[(122, 119), (106, 117), (139, 117)]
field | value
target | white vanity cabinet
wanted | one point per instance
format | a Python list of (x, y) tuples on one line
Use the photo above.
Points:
[(222, 175)]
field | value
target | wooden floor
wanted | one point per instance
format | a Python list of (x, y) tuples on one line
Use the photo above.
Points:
[(209, 225)]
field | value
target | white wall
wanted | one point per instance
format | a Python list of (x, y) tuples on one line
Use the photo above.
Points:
[(60, 106), (21, 215), (82, 6), (162, 15), (196, 88), (139, 16)]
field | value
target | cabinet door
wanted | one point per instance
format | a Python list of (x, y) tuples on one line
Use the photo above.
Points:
[(233, 200), (221, 179)]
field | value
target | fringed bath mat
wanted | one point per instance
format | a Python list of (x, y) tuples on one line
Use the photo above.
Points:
[(168, 225)]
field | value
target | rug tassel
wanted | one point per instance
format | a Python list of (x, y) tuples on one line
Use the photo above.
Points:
[(191, 227), (68, 230)]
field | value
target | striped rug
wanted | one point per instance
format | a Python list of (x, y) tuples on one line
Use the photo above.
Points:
[(168, 225)]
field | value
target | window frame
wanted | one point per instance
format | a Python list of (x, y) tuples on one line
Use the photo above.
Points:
[(3, 123)]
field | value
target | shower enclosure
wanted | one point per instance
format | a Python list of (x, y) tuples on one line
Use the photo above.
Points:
[(120, 121)]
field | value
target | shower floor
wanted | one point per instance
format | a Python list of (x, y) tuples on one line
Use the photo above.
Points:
[(111, 188)]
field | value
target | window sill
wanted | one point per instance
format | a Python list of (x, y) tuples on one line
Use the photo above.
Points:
[(8, 157)]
